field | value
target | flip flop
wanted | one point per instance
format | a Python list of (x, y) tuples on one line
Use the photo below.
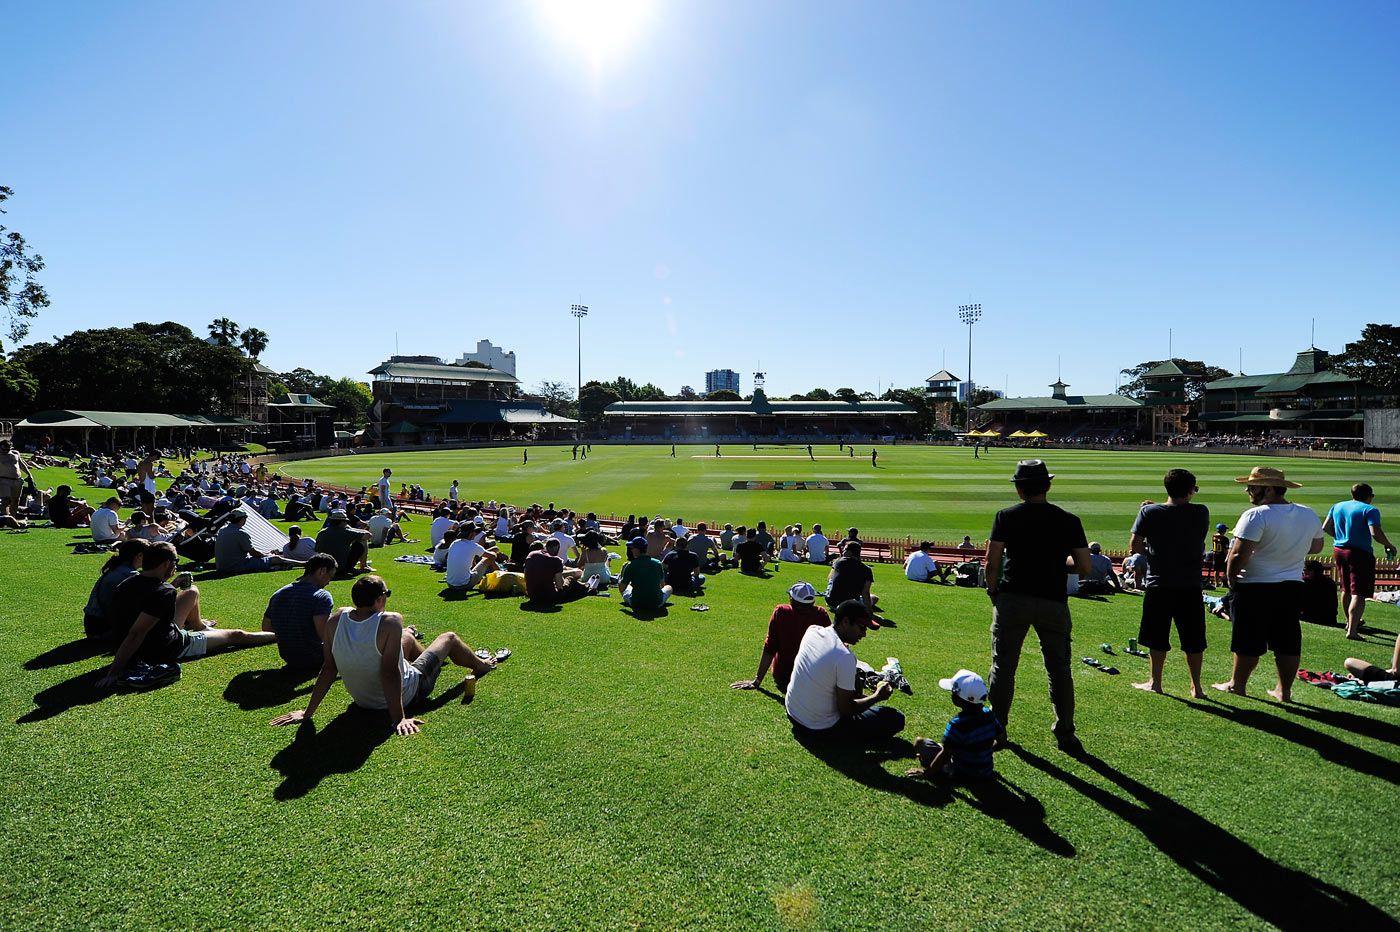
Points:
[(1313, 679), (1091, 662), (700, 607), (1136, 653), (1111, 671), (502, 654)]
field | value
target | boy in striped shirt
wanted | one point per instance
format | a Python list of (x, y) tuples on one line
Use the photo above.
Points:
[(966, 751)]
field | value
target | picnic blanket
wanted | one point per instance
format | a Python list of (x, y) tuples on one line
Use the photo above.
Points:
[(1383, 692), (422, 559)]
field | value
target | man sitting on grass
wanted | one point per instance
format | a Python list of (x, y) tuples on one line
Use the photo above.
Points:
[(234, 551), (106, 526), (348, 545), (922, 567), (683, 568), (817, 545), (380, 662), (65, 511), (824, 700), (297, 614), (850, 578), (547, 580), (640, 579), (154, 621), (383, 529), (788, 623), (966, 751), (748, 552)]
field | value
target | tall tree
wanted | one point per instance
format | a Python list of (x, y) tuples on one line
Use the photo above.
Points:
[(687, 394), (1197, 375), (21, 295), (846, 394), (557, 397), (1375, 359), (18, 388), (165, 368), (351, 399), (722, 394), (254, 341), (224, 331), (593, 399), (302, 381)]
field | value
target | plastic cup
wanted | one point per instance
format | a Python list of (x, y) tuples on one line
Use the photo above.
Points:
[(469, 686)]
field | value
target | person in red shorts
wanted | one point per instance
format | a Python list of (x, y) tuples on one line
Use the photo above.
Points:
[(785, 630), (1352, 525)]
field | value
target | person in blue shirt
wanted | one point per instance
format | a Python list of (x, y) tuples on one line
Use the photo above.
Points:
[(1351, 525), (969, 739)]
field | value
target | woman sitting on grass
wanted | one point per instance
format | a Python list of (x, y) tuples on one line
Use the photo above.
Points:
[(124, 563)]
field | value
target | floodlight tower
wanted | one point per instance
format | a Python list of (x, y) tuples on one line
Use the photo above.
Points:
[(969, 314), (580, 311)]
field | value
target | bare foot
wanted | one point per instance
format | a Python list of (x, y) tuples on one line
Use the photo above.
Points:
[(1149, 686), (1278, 693), (1197, 692), (1229, 687), (916, 772), (1354, 636)]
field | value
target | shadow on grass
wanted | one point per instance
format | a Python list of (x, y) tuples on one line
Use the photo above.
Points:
[(458, 593), (343, 746), (997, 798), (71, 693), (1328, 747), (1276, 894), (647, 614), (263, 689), (543, 608), (72, 652)]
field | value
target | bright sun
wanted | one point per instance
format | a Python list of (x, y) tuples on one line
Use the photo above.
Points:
[(602, 29)]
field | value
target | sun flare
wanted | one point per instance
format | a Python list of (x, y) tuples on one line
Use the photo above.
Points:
[(602, 29)]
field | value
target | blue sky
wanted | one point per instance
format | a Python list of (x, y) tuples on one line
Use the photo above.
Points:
[(810, 186)]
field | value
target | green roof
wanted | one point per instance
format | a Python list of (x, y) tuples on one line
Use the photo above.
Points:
[(440, 372), (110, 419), (1293, 382), (759, 407), (1162, 370), (1241, 381), (1065, 403), (300, 400), (402, 427)]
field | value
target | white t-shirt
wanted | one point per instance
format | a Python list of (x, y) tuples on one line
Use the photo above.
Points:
[(502, 526), (919, 566), (823, 664), (379, 527), (104, 524), (440, 555), (441, 525), (566, 543), (816, 548), (104, 482), (1283, 534), (679, 529), (459, 560), (304, 549), (452, 492), (384, 493)]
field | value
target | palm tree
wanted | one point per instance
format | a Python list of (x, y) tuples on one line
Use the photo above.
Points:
[(254, 341), (223, 331)]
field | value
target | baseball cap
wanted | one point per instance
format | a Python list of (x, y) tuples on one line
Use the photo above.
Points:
[(803, 592), (638, 543), (1221, 527), (966, 685)]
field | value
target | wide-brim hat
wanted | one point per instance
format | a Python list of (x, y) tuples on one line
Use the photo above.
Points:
[(1268, 476), (1032, 469)]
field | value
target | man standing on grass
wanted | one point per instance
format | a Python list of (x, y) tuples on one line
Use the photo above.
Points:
[(386, 493), (1033, 546), (12, 472), (1265, 574), (788, 623), (1351, 525), (1172, 539), (823, 700)]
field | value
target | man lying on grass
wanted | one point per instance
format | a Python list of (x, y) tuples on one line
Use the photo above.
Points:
[(162, 625), (381, 663)]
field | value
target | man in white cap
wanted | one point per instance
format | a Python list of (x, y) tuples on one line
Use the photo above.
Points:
[(786, 626), (1264, 570), (966, 750), (383, 528)]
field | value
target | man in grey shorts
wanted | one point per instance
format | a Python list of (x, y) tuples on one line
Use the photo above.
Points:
[(366, 646), (1032, 548), (12, 471)]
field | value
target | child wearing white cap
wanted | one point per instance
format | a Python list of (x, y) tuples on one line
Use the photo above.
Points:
[(966, 751)]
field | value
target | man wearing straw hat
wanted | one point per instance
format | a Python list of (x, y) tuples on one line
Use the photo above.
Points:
[(1264, 570)]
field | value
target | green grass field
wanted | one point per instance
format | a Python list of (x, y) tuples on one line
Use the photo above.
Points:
[(937, 492), (606, 776)]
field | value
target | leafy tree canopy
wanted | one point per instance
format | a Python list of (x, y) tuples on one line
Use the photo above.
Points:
[(21, 295), (1197, 375), (1375, 359), (145, 367)]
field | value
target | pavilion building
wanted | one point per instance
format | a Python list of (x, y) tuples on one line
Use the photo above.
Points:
[(758, 417), (1311, 399), (1062, 416)]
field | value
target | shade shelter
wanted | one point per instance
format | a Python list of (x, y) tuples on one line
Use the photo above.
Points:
[(130, 428)]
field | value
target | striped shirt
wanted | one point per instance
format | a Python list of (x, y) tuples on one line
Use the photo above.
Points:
[(290, 612), (969, 738)]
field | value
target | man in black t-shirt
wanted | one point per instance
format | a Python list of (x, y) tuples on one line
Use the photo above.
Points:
[(749, 553), (682, 567), (145, 606), (850, 578), (1172, 538), (1032, 549)]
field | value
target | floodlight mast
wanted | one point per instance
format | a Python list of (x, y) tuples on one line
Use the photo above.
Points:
[(580, 311), (969, 314)]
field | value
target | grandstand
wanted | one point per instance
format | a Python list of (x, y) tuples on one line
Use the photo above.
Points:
[(1062, 416), (756, 418), (1311, 399)]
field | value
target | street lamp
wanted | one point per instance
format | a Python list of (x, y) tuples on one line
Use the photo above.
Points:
[(969, 314), (580, 311)]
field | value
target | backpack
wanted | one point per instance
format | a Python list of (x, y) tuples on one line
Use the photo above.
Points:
[(967, 574)]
